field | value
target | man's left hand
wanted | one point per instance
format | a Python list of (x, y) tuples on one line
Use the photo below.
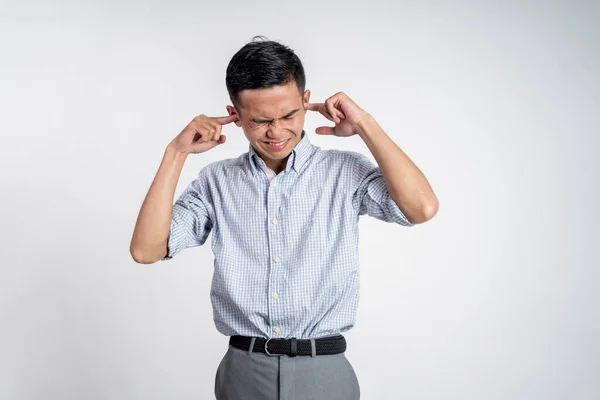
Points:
[(340, 109)]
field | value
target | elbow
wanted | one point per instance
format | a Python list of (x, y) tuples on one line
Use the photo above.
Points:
[(431, 209), (137, 256), (427, 212), (141, 257)]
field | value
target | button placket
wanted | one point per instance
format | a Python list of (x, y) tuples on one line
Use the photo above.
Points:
[(276, 244)]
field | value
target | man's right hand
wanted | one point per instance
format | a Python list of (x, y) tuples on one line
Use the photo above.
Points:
[(202, 134)]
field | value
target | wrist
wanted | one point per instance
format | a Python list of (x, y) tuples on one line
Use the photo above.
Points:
[(366, 125), (173, 153)]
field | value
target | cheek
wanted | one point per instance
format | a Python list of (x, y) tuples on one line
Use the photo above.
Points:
[(253, 129), (298, 122), (252, 133)]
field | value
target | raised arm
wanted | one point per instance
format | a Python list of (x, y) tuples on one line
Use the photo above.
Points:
[(404, 181), (151, 234)]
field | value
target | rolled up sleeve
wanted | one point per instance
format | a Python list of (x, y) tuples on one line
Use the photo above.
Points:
[(370, 194), (191, 222)]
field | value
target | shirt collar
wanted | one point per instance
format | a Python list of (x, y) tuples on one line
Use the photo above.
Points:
[(298, 157)]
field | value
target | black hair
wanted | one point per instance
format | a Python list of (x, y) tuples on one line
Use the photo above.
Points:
[(262, 64)]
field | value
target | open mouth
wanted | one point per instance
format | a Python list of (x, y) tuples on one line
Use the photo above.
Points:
[(277, 145)]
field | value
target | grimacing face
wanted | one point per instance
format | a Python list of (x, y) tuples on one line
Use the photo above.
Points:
[(272, 120)]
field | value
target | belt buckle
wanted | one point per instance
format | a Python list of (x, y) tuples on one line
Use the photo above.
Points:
[(267, 350)]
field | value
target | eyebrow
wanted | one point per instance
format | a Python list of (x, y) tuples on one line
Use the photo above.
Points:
[(260, 121)]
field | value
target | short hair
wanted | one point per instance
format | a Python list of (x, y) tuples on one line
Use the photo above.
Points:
[(262, 64)]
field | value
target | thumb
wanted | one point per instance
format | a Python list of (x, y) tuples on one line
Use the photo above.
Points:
[(325, 130)]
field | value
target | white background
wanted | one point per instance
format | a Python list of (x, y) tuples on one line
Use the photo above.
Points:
[(498, 104)]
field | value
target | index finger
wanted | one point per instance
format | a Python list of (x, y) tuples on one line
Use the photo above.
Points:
[(225, 120), (314, 106)]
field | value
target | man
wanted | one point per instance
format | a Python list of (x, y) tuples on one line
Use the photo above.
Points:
[(284, 218)]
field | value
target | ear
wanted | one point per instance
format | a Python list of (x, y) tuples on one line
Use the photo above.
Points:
[(231, 110), (306, 99)]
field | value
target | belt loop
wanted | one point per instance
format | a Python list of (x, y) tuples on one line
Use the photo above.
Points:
[(251, 346), (293, 347), (313, 348)]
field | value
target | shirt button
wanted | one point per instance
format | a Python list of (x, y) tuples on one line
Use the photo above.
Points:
[(274, 184), (275, 296), (277, 329), (275, 221), (276, 259)]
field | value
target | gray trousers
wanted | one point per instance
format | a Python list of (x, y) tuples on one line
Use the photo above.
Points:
[(245, 375)]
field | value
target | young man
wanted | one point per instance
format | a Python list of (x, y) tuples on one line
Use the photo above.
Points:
[(284, 218)]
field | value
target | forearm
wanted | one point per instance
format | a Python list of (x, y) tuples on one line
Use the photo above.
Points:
[(150, 236), (406, 184)]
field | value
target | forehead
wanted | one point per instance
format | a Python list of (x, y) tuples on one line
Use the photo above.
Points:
[(271, 102)]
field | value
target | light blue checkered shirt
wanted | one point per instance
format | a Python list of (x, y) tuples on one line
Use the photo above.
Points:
[(285, 246)]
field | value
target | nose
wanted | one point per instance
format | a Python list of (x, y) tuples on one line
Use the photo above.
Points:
[(275, 123), (276, 130)]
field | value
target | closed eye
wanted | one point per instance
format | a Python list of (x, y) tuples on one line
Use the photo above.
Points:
[(290, 115)]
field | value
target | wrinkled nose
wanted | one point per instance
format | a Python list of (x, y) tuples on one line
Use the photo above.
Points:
[(276, 131)]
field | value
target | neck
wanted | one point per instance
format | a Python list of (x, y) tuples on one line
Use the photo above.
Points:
[(277, 166)]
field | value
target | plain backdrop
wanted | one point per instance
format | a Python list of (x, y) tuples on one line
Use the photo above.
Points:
[(498, 103)]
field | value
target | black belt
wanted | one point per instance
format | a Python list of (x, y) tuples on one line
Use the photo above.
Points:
[(292, 347)]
